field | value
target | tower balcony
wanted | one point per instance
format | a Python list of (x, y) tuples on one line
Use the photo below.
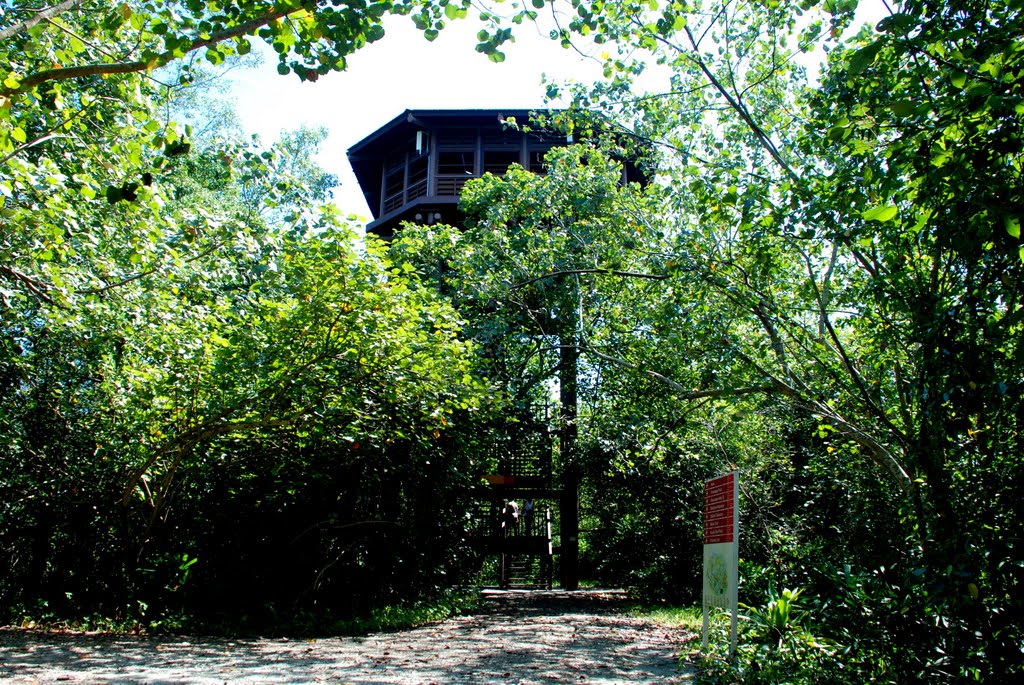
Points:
[(414, 167)]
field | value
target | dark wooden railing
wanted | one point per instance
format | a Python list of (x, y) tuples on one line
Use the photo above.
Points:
[(405, 196), (451, 186)]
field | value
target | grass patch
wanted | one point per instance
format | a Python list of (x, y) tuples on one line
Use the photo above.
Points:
[(404, 616), (687, 618)]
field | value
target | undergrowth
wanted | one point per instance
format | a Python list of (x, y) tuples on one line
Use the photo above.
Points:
[(394, 617)]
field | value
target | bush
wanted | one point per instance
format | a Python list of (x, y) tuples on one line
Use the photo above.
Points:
[(773, 646)]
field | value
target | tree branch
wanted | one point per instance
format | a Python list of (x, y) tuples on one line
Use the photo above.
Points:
[(40, 16), (107, 68), (576, 272), (622, 362), (142, 274), (183, 444), (730, 392), (879, 454), (847, 362), (38, 288), (755, 128), (802, 398), (48, 135)]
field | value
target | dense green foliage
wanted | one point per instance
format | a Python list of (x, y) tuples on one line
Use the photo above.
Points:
[(850, 252), (828, 298), (212, 397)]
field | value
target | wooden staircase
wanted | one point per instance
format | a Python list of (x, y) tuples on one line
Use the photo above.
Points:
[(522, 459), (527, 572), (526, 554)]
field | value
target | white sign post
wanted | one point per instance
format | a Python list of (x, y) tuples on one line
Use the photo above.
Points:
[(721, 551)]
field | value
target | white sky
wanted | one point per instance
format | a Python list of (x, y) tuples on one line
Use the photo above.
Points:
[(401, 71)]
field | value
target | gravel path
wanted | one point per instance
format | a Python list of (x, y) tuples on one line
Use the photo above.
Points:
[(520, 638)]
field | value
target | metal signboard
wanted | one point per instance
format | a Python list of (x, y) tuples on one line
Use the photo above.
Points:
[(721, 551)]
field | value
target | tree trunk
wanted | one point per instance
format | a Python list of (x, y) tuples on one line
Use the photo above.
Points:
[(568, 410)]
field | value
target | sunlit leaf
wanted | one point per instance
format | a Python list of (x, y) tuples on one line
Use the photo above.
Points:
[(881, 213)]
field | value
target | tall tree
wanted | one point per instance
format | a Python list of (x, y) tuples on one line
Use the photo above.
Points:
[(537, 272)]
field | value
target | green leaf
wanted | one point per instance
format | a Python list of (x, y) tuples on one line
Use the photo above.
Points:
[(1013, 226), (864, 57), (903, 108), (898, 24), (214, 56), (882, 213)]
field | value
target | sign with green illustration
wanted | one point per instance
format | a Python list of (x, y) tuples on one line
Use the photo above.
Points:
[(721, 551)]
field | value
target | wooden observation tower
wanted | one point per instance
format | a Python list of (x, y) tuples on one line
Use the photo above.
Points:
[(414, 167)]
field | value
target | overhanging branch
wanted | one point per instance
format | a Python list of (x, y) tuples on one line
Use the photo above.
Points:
[(729, 392), (36, 287), (40, 16), (605, 272), (108, 68), (879, 453)]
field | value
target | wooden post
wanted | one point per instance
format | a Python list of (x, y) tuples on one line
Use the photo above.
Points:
[(570, 504), (548, 550), (570, 531)]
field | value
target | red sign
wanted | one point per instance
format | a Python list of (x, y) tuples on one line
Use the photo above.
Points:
[(719, 512)]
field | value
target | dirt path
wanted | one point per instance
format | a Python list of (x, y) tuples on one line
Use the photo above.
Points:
[(519, 638)]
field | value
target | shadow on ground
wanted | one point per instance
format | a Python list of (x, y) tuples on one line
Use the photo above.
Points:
[(523, 638)]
